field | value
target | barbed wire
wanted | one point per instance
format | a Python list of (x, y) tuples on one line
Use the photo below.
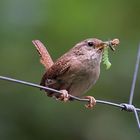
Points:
[(129, 107)]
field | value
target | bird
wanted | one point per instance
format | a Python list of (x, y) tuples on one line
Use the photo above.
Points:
[(75, 72)]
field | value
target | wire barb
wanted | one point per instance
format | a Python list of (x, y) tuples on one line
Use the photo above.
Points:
[(128, 107)]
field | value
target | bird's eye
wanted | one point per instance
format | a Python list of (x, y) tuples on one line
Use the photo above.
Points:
[(90, 44)]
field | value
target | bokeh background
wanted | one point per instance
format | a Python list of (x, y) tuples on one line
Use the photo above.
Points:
[(26, 113)]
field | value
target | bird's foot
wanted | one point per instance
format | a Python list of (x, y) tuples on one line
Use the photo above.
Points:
[(92, 102), (64, 96)]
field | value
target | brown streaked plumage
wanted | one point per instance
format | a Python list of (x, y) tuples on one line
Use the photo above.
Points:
[(76, 71)]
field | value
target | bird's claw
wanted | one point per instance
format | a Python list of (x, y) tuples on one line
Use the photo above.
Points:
[(64, 96), (92, 102)]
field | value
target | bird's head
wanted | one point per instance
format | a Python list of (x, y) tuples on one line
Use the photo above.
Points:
[(93, 48), (96, 45)]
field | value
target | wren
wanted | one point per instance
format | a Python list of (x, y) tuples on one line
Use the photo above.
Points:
[(75, 72)]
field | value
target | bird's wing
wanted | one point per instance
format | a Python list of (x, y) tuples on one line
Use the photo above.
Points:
[(58, 68)]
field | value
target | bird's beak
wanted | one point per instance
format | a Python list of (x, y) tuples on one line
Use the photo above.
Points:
[(102, 45), (111, 44), (108, 44)]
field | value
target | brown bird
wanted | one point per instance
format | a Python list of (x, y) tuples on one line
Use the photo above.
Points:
[(75, 72)]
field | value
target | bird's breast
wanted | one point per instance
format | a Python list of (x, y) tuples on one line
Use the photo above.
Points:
[(82, 76)]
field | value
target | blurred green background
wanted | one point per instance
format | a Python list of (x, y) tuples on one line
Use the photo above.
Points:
[(25, 112)]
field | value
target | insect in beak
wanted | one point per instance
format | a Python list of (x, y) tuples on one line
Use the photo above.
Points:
[(111, 44)]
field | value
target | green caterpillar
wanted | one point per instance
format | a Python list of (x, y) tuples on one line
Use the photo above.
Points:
[(105, 58)]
